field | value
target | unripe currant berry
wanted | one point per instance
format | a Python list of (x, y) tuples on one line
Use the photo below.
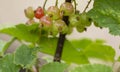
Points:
[(53, 12), (46, 22), (61, 25), (97, 25), (70, 30), (74, 19), (39, 12), (80, 29), (84, 19), (29, 13), (54, 30), (67, 9), (30, 22)]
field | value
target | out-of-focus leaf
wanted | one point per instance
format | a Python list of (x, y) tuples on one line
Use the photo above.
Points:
[(81, 43), (107, 14), (5, 45), (70, 54), (2, 45), (25, 56), (7, 64), (29, 33), (100, 51), (118, 59), (92, 68), (53, 67)]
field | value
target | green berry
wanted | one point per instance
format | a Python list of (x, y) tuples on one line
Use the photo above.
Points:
[(85, 20), (29, 13), (53, 12), (67, 9)]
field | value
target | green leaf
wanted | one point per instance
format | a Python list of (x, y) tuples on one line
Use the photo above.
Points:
[(5, 45), (81, 43), (25, 56), (53, 67), (118, 59), (2, 45), (100, 51), (92, 68), (107, 14), (70, 54), (73, 55), (29, 33), (7, 64), (94, 49)]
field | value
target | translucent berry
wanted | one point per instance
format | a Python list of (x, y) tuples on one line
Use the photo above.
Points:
[(67, 9), (29, 13), (39, 12), (53, 12)]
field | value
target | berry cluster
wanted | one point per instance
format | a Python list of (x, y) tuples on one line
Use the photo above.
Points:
[(50, 20)]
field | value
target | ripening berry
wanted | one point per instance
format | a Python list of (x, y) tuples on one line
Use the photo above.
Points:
[(80, 28), (74, 20), (29, 13), (61, 26), (53, 12), (46, 22), (84, 19), (39, 12), (67, 9)]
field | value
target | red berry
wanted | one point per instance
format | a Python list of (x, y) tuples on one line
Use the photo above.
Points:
[(39, 12)]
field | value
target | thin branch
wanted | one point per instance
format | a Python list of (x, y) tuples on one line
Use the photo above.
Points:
[(44, 4), (87, 5), (56, 3), (61, 40), (75, 3)]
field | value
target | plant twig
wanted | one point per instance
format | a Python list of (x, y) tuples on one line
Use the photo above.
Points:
[(44, 4), (75, 3), (87, 5), (61, 40), (56, 3), (58, 54)]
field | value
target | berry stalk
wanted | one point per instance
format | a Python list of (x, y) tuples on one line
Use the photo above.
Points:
[(61, 40), (87, 5)]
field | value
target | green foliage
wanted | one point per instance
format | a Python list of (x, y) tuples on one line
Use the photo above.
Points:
[(100, 51), (92, 68), (70, 54), (107, 14), (29, 33), (118, 59), (94, 49), (81, 44), (5, 45), (79, 51), (7, 64), (53, 67), (25, 56), (2, 45)]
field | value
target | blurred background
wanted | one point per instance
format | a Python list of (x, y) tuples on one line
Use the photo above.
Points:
[(12, 12)]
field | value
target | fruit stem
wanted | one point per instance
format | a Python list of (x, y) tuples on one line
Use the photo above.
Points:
[(56, 3), (75, 3), (87, 5), (61, 40), (44, 4)]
